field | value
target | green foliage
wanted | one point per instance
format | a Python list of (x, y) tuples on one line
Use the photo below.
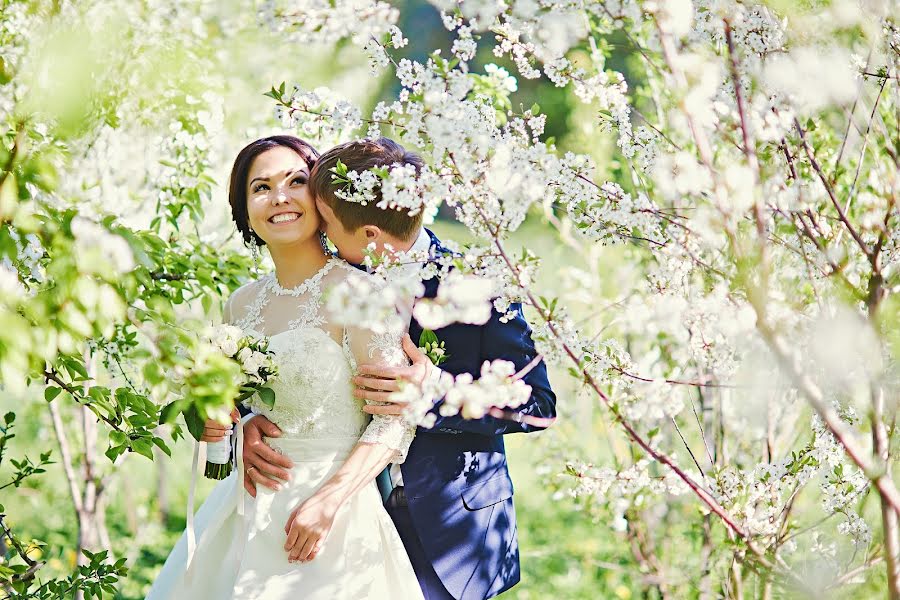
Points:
[(433, 347)]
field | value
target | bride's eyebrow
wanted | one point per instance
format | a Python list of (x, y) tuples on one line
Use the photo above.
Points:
[(302, 170)]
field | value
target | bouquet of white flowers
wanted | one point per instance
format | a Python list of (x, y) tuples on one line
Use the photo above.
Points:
[(257, 364), (220, 345)]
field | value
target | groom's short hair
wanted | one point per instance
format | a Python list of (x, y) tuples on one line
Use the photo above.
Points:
[(359, 156)]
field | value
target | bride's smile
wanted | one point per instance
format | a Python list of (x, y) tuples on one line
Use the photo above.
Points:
[(285, 217)]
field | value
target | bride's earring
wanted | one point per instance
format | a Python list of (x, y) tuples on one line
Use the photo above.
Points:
[(323, 239), (254, 251)]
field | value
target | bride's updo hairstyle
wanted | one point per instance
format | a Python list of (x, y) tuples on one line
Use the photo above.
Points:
[(237, 187)]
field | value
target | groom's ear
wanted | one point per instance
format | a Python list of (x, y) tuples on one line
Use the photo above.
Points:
[(373, 233)]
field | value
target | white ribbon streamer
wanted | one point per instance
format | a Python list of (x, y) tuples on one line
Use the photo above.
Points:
[(191, 534), (192, 542)]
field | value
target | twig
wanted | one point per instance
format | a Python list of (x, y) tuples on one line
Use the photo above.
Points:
[(851, 574), (688, 448), (52, 374), (818, 169), (15, 542), (859, 88), (709, 455), (698, 383), (865, 145)]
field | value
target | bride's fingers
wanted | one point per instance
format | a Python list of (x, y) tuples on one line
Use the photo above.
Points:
[(296, 550), (292, 534), (389, 409), (373, 383), (303, 555), (215, 433), (370, 395), (316, 549)]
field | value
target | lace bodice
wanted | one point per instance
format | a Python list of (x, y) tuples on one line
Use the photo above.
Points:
[(316, 359)]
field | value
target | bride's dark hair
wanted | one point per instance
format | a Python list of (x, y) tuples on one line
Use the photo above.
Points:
[(237, 187)]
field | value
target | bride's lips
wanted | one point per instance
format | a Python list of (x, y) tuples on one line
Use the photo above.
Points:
[(285, 221)]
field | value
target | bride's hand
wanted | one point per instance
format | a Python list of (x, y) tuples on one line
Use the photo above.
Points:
[(213, 431), (307, 529)]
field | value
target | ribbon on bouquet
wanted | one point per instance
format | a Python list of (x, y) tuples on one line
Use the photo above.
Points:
[(190, 527), (191, 533)]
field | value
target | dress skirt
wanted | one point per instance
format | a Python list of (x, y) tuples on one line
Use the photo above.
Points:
[(240, 540)]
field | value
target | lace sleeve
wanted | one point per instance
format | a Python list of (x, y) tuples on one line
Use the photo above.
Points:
[(366, 347)]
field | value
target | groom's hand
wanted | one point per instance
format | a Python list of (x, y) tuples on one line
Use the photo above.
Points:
[(378, 382), (262, 464)]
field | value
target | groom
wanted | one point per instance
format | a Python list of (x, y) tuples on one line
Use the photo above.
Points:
[(452, 499)]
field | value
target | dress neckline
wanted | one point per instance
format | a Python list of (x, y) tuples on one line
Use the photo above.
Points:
[(304, 286)]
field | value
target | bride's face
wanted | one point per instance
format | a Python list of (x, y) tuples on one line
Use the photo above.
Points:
[(280, 208)]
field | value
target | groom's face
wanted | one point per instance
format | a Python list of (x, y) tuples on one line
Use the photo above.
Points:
[(351, 245)]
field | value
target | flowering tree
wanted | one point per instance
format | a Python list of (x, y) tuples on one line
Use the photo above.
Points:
[(757, 207), (745, 366)]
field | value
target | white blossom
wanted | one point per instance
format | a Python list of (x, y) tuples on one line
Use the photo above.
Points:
[(496, 387), (460, 299)]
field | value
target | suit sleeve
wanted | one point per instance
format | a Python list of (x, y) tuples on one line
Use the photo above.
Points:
[(507, 341)]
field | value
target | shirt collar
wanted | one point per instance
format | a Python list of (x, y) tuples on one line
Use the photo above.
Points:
[(422, 243)]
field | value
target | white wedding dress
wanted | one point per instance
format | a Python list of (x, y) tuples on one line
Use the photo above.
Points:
[(240, 540)]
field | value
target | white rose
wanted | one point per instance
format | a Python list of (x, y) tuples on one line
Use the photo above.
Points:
[(248, 361), (228, 346)]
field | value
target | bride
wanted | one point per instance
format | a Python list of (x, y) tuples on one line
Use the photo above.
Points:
[(325, 533)]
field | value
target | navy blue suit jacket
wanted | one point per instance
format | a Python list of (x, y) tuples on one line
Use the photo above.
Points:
[(455, 476)]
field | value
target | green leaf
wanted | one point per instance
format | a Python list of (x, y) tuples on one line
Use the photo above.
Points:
[(194, 422), (427, 337), (113, 452), (77, 367), (267, 396), (51, 392), (170, 412), (144, 447), (161, 444)]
